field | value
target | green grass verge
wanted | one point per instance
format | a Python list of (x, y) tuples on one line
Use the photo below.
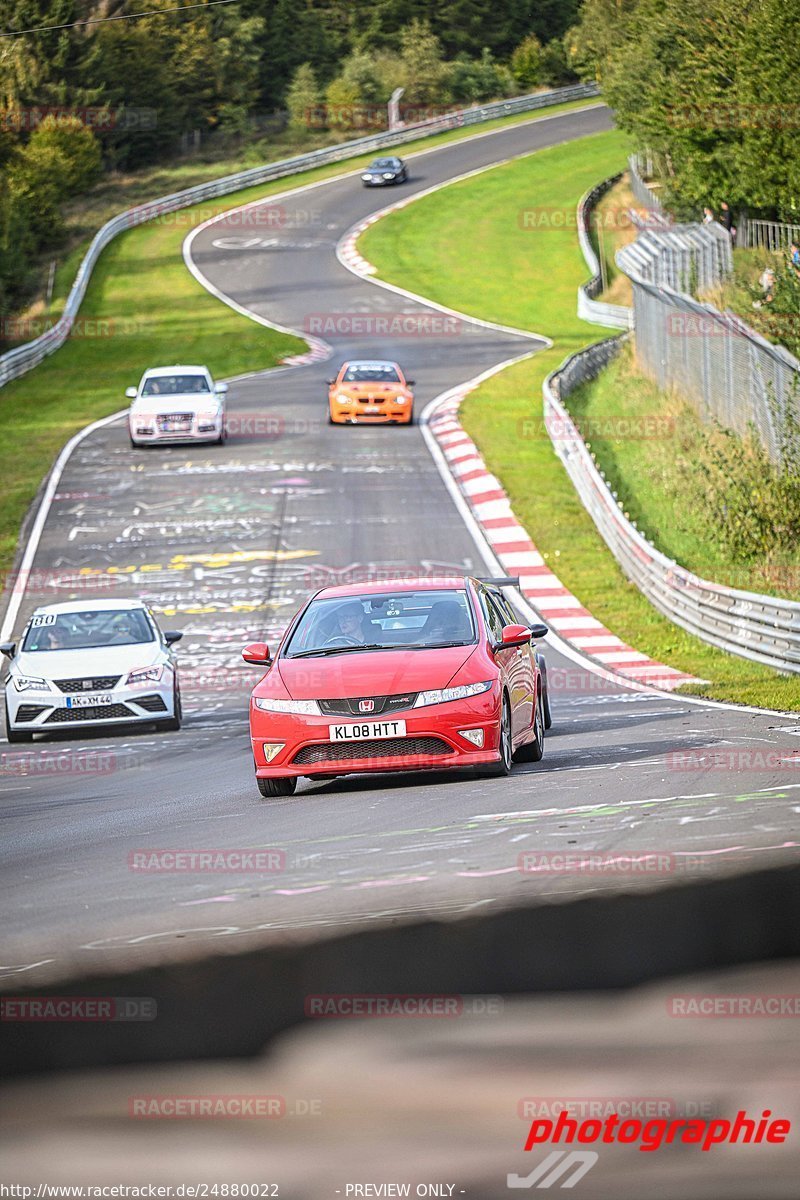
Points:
[(529, 279), (664, 465), (156, 313)]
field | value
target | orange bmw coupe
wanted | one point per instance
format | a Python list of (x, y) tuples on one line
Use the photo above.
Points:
[(370, 393)]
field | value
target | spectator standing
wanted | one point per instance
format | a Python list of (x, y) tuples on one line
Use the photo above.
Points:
[(726, 220), (708, 216), (794, 257)]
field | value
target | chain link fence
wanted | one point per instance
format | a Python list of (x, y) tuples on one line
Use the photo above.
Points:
[(764, 629), (729, 371)]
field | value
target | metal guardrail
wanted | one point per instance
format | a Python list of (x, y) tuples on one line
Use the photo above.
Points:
[(18, 361), (764, 629), (775, 236), (687, 258), (616, 316)]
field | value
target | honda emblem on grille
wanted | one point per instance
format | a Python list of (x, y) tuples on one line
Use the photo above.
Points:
[(366, 706)]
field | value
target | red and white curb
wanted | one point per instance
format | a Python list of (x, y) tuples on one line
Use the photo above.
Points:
[(346, 250), (318, 351), (541, 587)]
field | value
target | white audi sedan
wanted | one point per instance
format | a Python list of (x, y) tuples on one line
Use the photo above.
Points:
[(89, 663), (177, 404)]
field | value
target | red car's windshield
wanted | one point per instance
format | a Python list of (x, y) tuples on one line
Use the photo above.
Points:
[(404, 620)]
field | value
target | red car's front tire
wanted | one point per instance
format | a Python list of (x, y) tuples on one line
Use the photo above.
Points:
[(533, 751), (503, 767), (277, 787)]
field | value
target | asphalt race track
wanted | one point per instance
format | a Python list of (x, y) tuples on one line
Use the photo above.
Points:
[(225, 542)]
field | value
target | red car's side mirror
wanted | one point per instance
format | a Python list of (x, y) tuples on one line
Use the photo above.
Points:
[(515, 635), (258, 653)]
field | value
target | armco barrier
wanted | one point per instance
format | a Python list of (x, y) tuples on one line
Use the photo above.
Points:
[(20, 360), (616, 316), (765, 629)]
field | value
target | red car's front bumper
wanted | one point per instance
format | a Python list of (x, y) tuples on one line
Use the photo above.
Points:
[(432, 740)]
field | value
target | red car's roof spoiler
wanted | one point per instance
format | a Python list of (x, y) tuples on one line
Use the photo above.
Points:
[(499, 580)]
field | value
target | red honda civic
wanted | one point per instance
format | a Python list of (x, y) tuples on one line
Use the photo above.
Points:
[(398, 676)]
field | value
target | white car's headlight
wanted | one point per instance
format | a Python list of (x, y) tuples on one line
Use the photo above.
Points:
[(308, 708), (444, 695), (25, 683), (145, 673)]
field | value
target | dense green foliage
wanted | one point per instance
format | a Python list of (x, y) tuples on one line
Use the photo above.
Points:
[(166, 82), (712, 91)]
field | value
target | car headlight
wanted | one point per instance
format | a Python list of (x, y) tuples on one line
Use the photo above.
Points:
[(388, 175), (343, 398), (24, 683), (401, 399), (308, 708), (367, 178), (444, 695), (145, 673)]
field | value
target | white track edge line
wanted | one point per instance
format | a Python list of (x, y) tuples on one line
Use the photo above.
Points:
[(42, 513)]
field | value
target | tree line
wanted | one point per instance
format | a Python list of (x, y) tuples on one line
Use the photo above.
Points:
[(122, 94), (711, 90)]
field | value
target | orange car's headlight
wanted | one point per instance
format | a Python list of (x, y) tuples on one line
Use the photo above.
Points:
[(342, 398)]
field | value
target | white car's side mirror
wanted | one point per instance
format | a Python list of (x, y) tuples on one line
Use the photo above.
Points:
[(221, 388), (131, 393)]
